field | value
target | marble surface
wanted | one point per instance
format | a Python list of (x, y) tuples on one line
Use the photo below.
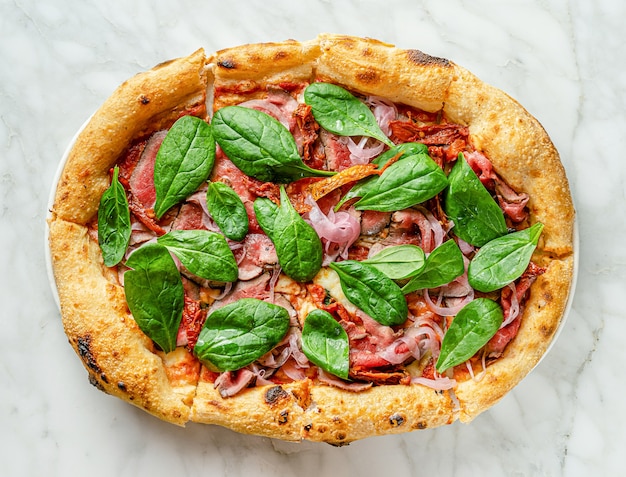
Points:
[(564, 60)]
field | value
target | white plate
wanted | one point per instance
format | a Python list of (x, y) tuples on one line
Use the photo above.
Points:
[(53, 189)]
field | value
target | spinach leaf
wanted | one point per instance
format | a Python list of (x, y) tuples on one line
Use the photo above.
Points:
[(476, 215), (260, 145), (154, 293), (470, 330), (503, 260), (228, 211), (341, 113), (114, 226), (398, 262), (298, 247), (443, 265), (405, 183), (240, 333), (266, 212), (204, 253), (365, 185), (184, 161), (372, 291), (325, 343)]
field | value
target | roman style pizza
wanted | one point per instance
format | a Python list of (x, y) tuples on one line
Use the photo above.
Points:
[(323, 240)]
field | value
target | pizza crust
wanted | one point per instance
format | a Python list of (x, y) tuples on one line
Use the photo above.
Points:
[(123, 362), (542, 315), (119, 358), (520, 151), (142, 105)]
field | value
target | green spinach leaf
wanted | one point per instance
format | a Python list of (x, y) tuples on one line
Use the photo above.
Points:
[(470, 330), (372, 291), (266, 212), (114, 225), (476, 215), (240, 333), (184, 161), (341, 113), (443, 265), (405, 183), (503, 260), (362, 187), (298, 247), (260, 145), (325, 343), (228, 211), (204, 253), (154, 293), (399, 261)]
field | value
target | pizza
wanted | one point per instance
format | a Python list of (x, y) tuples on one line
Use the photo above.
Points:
[(323, 240)]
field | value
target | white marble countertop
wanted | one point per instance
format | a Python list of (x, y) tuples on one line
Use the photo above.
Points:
[(563, 60)]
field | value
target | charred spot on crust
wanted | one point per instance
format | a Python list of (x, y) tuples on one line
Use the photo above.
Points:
[(83, 345), (144, 99), (340, 436), (121, 386), (95, 383), (420, 58), (420, 425), (226, 63), (283, 417), (308, 427), (396, 420), (275, 394)]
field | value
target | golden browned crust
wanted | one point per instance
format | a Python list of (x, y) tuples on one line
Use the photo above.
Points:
[(123, 362), (244, 72), (318, 412), (145, 103), (120, 359), (272, 411), (371, 67), (541, 319), (520, 151)]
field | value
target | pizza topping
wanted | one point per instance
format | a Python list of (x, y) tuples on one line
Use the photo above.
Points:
[(398, 262), (325, 343), (114, 226), (337, 230), (341, 113), (231, 383), (470, 330), (443, 265), (141, 180), (298, 246), (239, 333), (412, 180), (154, 293), (228, 210), (364, 186), (257, 255), (477, 217), (504, 259), (203, 253), (183, 163), (399, 298), (260, 145), (354, 173), (372, 291)]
